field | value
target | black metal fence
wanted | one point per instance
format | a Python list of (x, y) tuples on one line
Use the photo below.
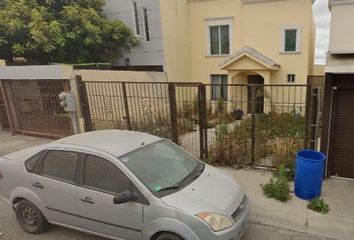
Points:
[(260, 125), (32, 107)]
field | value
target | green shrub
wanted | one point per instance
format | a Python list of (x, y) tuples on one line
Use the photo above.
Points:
[(318, 205), (286, 170), (278, 188)]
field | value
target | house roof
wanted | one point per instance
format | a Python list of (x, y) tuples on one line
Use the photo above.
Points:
[(254, 55)]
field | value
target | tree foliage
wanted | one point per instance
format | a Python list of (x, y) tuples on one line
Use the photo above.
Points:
[(73, 31)]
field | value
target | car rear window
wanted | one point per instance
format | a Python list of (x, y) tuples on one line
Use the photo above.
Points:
[(60, 165), (30, 164)]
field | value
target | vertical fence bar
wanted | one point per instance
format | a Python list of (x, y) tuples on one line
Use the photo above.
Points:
[(313, 118), (84, 103), (7, 106), (126, 106), (253, 125), (205, 120), (173, 111), (307, 114), (202, 121)]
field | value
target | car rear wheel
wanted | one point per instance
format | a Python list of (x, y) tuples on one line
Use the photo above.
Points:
[(168, 236), (30, 217)]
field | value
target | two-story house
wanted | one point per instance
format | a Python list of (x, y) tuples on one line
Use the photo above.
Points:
[(338, 114), (220, 41)]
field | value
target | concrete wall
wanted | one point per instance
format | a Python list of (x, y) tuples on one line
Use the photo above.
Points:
[(121, 76), (176, 39), (147, 52), (265, 33), (342, 21), (318, 70)]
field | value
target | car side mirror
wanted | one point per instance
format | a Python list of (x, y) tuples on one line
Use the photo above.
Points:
[(125, 197)]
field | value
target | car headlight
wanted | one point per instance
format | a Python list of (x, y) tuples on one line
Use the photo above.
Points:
[(216, 221)]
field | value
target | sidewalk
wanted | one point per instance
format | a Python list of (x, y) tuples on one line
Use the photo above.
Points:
[(9, 143), (294, 215)]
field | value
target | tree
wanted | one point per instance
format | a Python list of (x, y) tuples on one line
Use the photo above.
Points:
[(71, 31)]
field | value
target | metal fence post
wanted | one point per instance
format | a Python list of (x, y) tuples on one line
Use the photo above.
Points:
[(253, 124), (202, 121), (313, 118), (126, 106), (307, 115), (84, 103), (173, 111), (7, 106)]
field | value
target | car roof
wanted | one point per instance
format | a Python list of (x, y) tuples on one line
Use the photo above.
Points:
[(115, 142)]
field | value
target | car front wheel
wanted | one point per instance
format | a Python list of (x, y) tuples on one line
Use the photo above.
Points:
[(30, 217), (168, 236)]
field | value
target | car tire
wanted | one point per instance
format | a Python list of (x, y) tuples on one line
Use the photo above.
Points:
[(30, 217), (168, 236)]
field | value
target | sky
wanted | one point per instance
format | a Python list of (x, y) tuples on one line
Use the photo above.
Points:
[(322, 20)]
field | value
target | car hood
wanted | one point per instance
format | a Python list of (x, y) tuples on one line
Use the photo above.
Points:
[(213, 191)]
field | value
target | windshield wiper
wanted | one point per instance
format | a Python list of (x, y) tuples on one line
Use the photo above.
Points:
[(169, 188), (198, 170), (189, 178)]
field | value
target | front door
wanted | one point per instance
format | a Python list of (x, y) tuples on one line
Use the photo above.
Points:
[(101, 181), (55, 185), (259, 91)]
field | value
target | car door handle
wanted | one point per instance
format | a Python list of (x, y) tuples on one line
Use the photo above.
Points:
[(87, 200), (38, 185)]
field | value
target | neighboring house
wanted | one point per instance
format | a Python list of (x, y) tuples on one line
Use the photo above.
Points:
[(338, 113), (143, 17), (220, 41)]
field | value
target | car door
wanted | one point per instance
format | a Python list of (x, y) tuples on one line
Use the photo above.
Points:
[(55, 184), (101, 182)]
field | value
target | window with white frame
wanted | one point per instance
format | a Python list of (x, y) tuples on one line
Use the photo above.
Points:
[(291, 38), (136, 18), (219, 87), (291, 78), (219, 36), (219, 39), (146, 24)]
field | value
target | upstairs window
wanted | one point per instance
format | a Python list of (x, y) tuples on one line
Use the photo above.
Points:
[(146, 24), (136, 18), (291, 40), (219, 39), (219, 87)]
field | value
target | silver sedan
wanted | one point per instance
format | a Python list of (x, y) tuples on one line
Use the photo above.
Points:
[(122, 185)]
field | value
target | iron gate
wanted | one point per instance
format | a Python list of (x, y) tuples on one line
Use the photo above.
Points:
[(33, 107)]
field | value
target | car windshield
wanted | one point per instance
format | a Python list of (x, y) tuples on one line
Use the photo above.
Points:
[(161, 166)]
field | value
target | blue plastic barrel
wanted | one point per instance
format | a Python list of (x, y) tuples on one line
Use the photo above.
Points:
[(309, 174)]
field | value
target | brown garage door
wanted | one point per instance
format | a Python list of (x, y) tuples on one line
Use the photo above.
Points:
[(342, 144)]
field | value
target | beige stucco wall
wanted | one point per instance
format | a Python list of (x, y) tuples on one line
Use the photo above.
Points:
[(176, 39), (342, 34), (318, 70), (258, 25), (2, 63), (117, 76), (264, 33)]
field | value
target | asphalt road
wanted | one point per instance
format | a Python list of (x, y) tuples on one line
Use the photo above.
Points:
[(12, 231)]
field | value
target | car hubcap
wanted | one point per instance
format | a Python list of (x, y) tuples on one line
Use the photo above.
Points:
[(29, 216)]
